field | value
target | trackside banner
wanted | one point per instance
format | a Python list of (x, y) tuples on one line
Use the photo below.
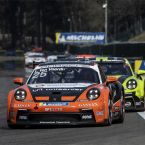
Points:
[(140, 66), (80, 38)]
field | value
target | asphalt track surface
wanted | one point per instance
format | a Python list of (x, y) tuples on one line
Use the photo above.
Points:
[(131, 132)]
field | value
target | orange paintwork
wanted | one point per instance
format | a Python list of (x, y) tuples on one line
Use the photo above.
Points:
[(98, 105), (42, 98), (18, 81), (111, 79), (68, 98)]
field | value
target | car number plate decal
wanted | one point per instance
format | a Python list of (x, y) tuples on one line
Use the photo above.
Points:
[(54, 104)]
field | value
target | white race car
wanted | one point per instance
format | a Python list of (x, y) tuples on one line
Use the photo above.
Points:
[(52, 58), (31, 57)]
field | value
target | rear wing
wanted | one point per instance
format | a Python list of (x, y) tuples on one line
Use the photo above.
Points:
[(95, 59), (110, 59)]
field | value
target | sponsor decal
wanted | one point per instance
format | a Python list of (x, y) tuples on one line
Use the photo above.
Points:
[(22, 105), (116, 108), (88, 105), (127, 97), (23, 117), (36, 90), (55, 122), (83, 100), (80, 37), (59, 86), (85, 117), (53, 109), (56, 69), (116, 113), (99, 113), (54, 104), (53, 89), (127, 104), (61, 66)]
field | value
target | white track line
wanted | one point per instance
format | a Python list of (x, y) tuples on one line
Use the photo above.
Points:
[(142, 114)]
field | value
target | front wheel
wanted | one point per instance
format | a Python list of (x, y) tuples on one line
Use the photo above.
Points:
[(142, 108), (122, 112), (14, 126), (110, 114)]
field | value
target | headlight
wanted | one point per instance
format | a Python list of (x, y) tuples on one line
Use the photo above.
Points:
[(131, 84), (93, 94), (20, 95)]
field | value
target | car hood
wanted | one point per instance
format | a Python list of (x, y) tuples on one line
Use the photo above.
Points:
[(58, 90), (121, 79)]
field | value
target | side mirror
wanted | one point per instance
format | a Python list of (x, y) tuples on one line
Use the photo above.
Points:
[(18, 81), (111, 79)]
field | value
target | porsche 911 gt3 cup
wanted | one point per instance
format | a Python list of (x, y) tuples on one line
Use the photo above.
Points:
[(66, 93), (134, 84), (31, 57)]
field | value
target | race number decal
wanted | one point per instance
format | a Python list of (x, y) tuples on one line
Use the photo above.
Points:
[(43, 73), (35, 75)]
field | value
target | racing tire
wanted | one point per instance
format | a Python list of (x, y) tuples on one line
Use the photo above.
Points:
[(110, 114), (143, 106), (143, 109), (14, 126), (122, 111)]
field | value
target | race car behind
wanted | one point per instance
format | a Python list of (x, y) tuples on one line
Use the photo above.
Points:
[(134, 84), (31, 57)]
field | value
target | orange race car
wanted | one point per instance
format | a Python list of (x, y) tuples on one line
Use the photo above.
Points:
[(66, 93)]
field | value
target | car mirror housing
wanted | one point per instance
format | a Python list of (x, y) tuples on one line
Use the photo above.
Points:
[(18, 81)]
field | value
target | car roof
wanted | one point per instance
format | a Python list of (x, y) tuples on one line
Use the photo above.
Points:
[(111, 59), (34, 53), (87, 62), (81, 64)]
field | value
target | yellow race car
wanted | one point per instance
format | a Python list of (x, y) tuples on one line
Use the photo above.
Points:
[(133, 83)]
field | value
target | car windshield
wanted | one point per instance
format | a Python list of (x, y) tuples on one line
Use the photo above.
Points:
[(116, 69), (64, 75)]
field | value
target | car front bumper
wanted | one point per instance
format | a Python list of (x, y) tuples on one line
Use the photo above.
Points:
[(132, 102), (25, 117)]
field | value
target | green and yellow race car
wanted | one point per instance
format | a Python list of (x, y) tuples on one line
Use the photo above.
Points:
[(133, 83)]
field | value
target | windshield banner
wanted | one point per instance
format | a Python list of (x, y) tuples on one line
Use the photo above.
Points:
[(80, 38)]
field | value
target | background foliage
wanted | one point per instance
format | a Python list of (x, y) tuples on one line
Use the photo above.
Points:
[(34, 22)]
